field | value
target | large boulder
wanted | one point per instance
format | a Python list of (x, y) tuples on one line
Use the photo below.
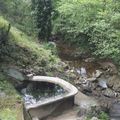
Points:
[(16, 74)]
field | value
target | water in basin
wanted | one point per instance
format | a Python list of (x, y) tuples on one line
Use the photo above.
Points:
[(40, 91)]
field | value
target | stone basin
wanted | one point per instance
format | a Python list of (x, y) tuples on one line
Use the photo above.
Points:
[(42, 109)]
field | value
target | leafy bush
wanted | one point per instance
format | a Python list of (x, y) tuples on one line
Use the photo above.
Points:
[(51, 46), (94, 24), (19, 13), (106, 41), (103, 116), (74, 18), (21, 51)]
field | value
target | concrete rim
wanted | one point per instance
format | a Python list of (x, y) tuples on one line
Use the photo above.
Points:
[(71, 90)]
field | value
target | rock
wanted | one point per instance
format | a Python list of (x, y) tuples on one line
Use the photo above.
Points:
[(111, 81), (30, 76), (114, 83), (63, 64), (2, 94), (84, 101), (16, 74), (105, 103), (98, 73), (102, 83), (109, 67), (109, 93), (115, 111), (30, 87), (53, 44), (82, 112), (78, 71), (23, 91), (83, 72), (85, 85), (84, 81), (94, 118), (89, 60), (91, 79), (82, 118), (35, 118), (70, 71)]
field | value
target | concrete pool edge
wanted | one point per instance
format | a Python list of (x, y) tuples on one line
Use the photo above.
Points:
[(72, 90)]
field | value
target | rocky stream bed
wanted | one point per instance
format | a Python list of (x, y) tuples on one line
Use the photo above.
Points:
[(95, 78), (98, 82)]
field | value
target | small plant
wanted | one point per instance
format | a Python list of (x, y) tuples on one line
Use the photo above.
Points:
[(51, 46), (103, 116)]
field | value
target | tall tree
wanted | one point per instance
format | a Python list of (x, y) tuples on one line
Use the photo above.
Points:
[(42, 11)]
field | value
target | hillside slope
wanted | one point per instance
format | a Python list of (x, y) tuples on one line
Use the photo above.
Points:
[(19, 51)]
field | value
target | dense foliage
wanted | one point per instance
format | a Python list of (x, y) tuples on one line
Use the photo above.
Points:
[(42, 10), (94, 24), (18, 12)]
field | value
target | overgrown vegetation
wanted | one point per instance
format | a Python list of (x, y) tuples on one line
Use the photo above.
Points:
[(42, 11), (17, 49), (19, 13), (91, 24), (10, 101), (101, 115), (20, 50)]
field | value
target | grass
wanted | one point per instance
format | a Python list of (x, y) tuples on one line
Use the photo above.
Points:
[(3, 23), (32, 45), (8, 114), (11, 114), (22, 50), (10, 101)]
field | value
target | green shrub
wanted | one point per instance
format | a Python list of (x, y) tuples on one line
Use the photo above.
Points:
[(103, 116), (91, 24)]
